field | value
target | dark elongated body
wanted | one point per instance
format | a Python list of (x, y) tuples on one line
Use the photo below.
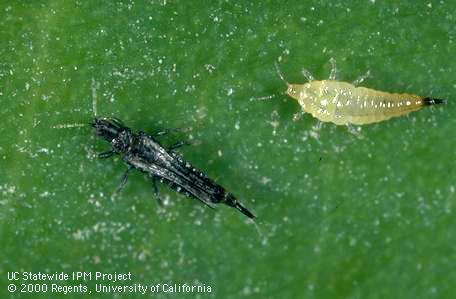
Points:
[(143, 152)]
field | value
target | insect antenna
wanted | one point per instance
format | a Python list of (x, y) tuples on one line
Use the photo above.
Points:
[(280, 74), (68, 126), (94, 88), (264, 98)]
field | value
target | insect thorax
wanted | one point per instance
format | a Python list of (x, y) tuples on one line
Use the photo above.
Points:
[(123, 141)]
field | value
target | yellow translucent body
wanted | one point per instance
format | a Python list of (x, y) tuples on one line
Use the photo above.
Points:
[(343, 103)]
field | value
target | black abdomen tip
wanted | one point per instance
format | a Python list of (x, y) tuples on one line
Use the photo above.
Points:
[(244, 211), (433, 101)]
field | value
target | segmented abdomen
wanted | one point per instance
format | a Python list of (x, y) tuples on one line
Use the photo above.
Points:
[(343, 103)]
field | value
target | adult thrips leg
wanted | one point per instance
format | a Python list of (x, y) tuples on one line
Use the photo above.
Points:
[(124, 180), (178, 145), (168, 131), (157, 196), (105, 155)]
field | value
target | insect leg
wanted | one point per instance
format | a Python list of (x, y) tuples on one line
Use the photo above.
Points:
[(308, 75), (105, 155), (355, 131), (124, 179), (160, 133), (178, 145), (361, 78), (333, 74), (298, 115), (157, 196), (168, 131), (315, 132)]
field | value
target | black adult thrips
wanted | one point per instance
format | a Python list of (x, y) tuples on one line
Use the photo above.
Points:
[(143, 152)]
